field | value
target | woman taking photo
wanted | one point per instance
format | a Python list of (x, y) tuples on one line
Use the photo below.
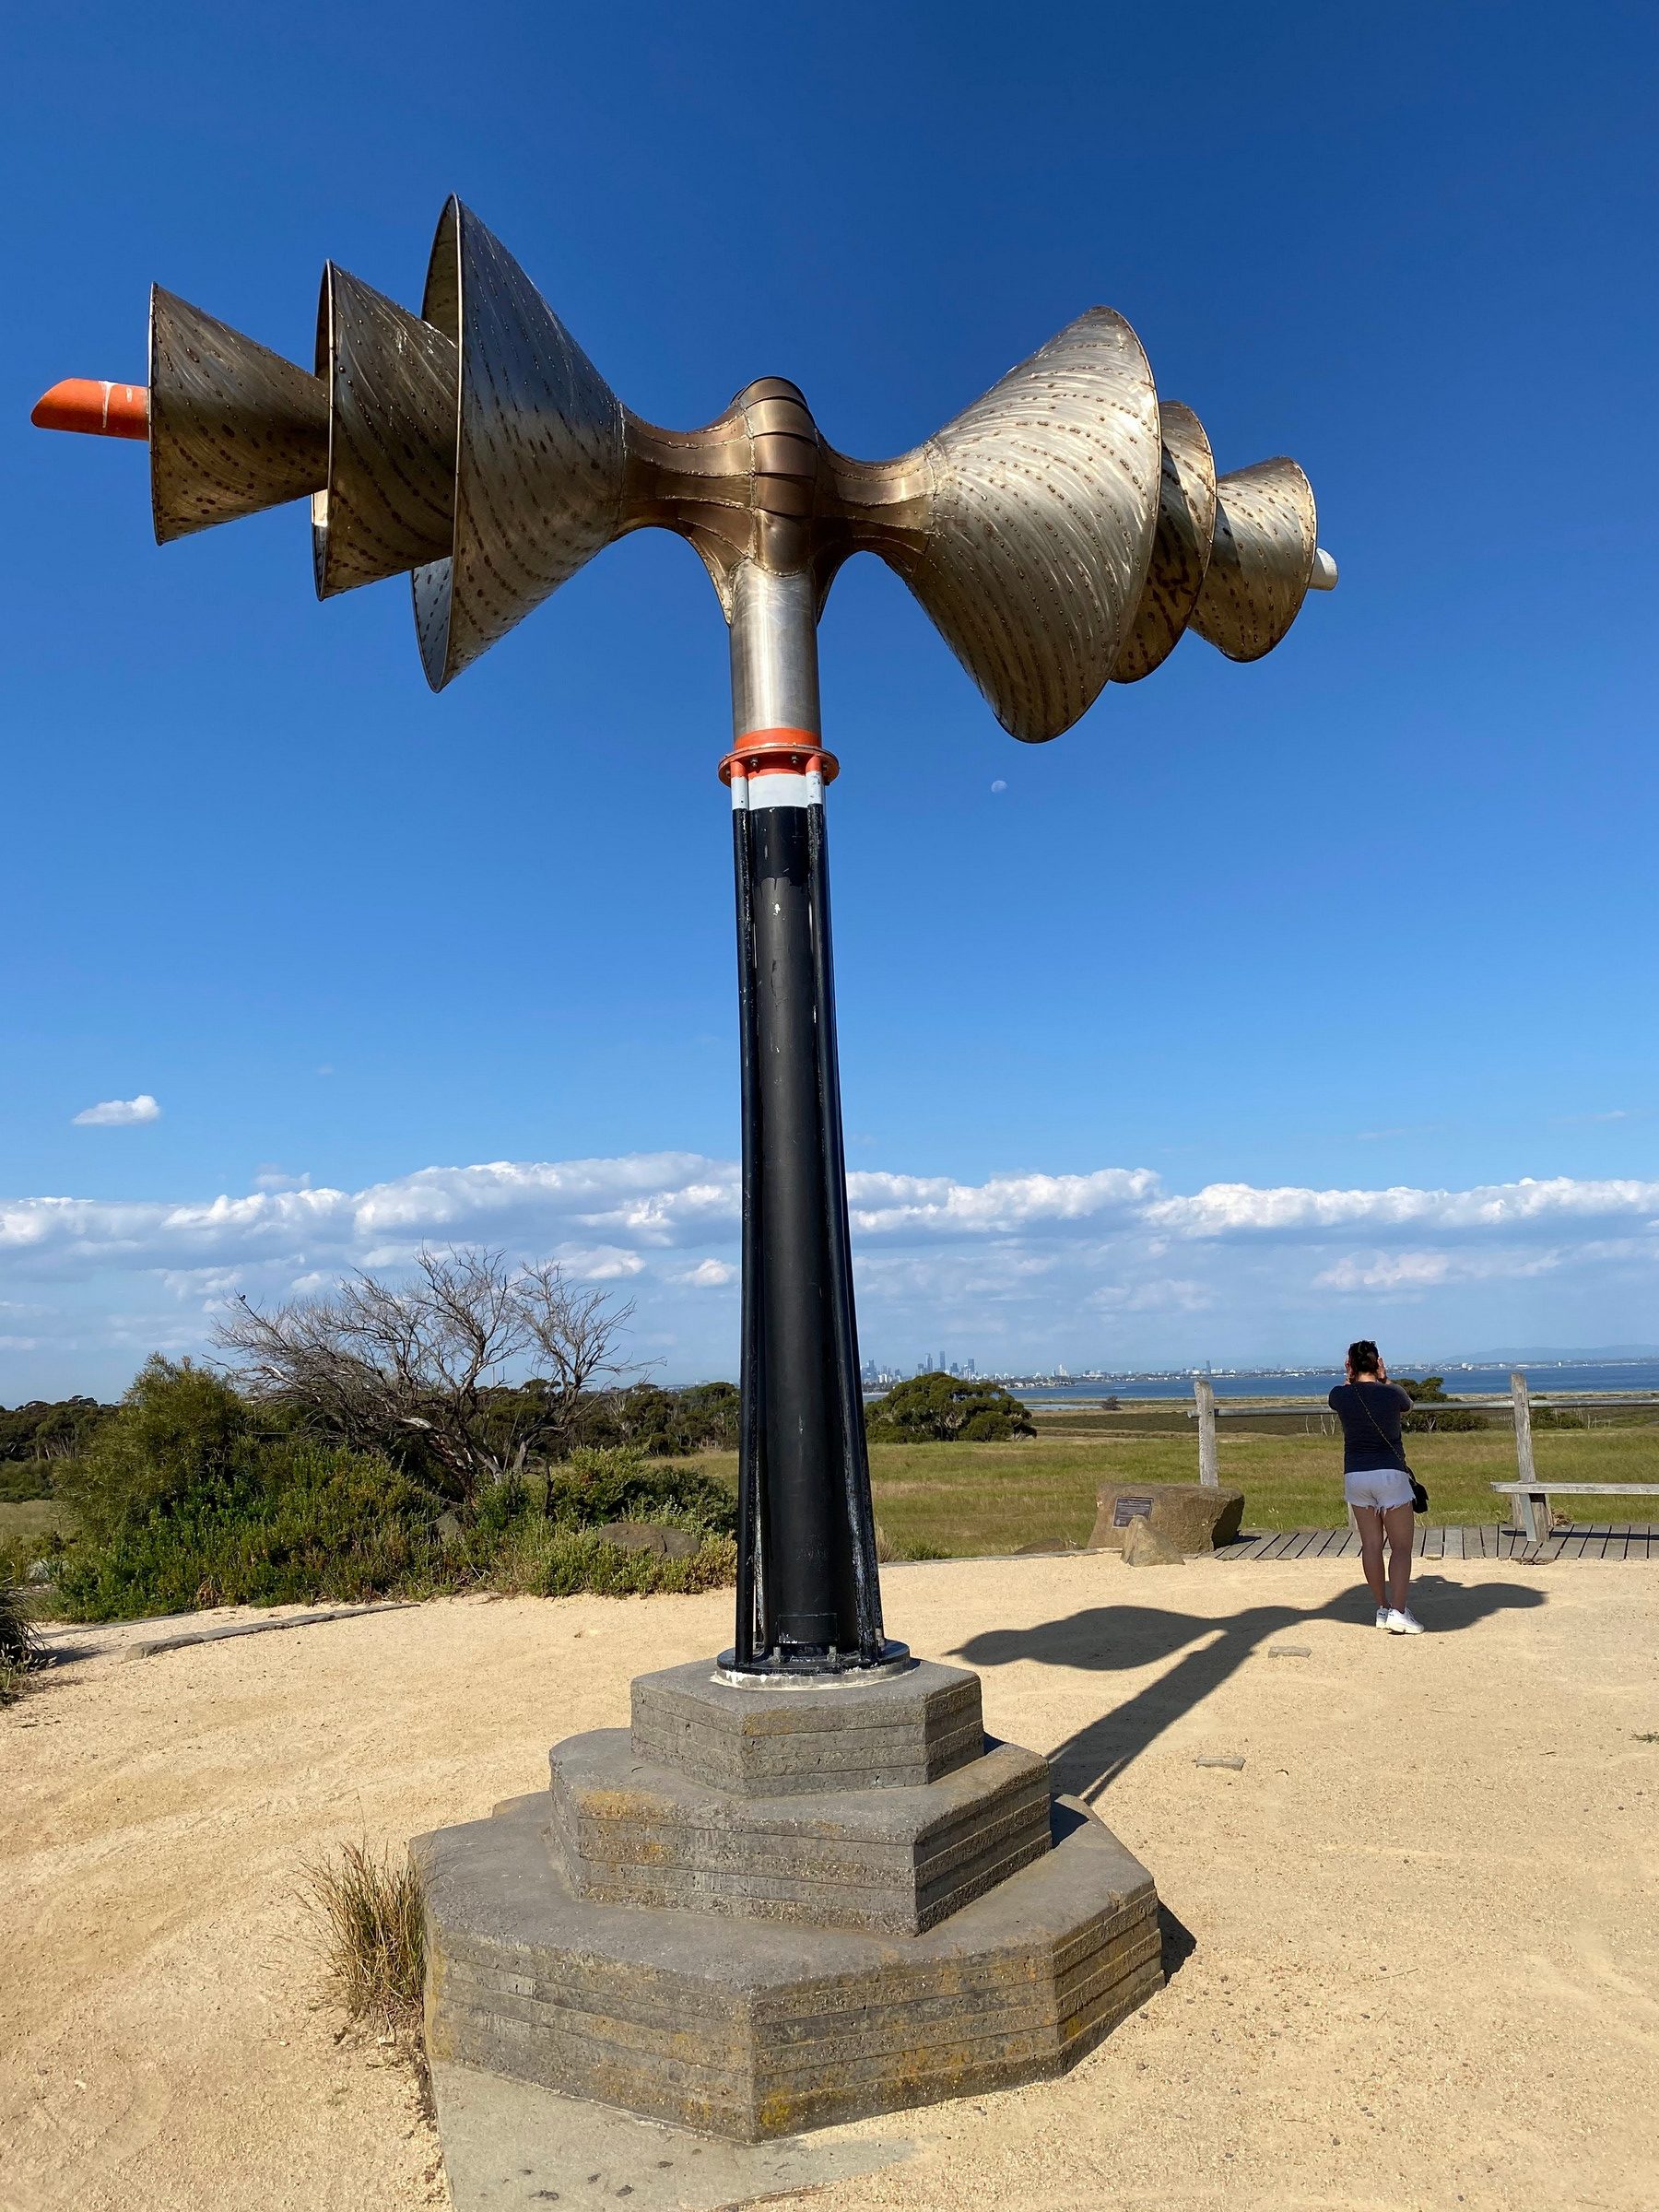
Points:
[(1375, 1478)]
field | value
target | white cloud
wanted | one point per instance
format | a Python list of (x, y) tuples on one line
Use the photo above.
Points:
[(1106, 1265), (887, 1205), (1425, 1270), (1237, 1208), (118, 1113)]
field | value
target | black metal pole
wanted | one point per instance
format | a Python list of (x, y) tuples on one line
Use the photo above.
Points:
[(854, 1457), (809, 1592), (800, 1418), (751, 1525)]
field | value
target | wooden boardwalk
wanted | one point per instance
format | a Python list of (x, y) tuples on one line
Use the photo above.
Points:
[(1616, 1540)]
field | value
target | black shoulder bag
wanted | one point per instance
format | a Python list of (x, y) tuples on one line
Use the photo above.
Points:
[(1420, 1496)]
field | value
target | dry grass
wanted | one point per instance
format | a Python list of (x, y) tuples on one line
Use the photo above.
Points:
[(370, 1910), (31, 1520)]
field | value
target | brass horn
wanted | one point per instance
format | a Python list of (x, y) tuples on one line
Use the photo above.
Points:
[(537, 449), (391, 381), (1063, 531), (233, 428)]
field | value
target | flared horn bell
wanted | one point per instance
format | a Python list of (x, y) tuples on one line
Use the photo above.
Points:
[(1180, 544), (538, 448), (1039, 523), (1262, 561), (391, 382), (233, 428)]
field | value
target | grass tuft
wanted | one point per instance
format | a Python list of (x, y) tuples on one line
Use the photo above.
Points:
[(19, 1646), (370, 1910)]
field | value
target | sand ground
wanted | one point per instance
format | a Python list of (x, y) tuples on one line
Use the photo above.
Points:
[(1421, 1948)]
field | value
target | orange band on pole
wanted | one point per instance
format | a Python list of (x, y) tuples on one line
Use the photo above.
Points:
[(779, 752), (101, 410)]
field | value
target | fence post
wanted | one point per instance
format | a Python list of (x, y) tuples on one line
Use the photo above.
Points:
[(1209, 1473), (1525, 1471)]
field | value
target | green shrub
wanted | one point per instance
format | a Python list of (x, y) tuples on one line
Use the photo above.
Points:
[(663, 1423), (19, 1554), (49, 1429), (617, 1483), (176, 1432), (23, 1479), (289, 1522), (540, 1558), (1420, 1388), (189, 1500), (940, 1409)]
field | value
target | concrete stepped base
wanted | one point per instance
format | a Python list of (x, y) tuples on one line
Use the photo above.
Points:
[(747, 1940), (628, 1831), (900, 1730), (751, 2031)]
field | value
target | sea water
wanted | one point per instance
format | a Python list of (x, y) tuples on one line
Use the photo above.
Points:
[(1545, 1379)]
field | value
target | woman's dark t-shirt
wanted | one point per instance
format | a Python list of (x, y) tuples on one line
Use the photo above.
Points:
[(1370, 1412)]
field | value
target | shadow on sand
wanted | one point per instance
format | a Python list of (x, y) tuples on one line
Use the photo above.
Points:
[(1112, 1639)]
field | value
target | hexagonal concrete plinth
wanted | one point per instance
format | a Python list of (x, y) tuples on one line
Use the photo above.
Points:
[(769, 1909)]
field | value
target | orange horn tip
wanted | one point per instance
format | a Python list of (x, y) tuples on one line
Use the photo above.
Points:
[(101, 410)]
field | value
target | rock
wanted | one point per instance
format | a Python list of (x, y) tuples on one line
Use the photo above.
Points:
[(656, 1536), (1190, 1514), (1144, 1546)]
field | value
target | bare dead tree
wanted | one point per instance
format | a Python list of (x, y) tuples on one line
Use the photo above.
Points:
[(382, 1363)]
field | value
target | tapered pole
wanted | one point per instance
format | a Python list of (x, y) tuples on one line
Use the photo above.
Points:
[(809, 1598)]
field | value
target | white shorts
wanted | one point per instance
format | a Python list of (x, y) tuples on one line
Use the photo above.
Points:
[(1382, 1487)]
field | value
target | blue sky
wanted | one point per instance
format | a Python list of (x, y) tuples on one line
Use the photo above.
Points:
[(1268, 1006)]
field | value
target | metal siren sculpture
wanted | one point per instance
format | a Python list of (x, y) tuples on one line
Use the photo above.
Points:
[(1062, 534)]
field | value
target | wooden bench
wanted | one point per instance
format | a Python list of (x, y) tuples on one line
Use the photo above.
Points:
[(1529, 1501)]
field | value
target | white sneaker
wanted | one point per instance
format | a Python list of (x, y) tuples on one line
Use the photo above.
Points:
[(1383, 1617), (1403, 1624)]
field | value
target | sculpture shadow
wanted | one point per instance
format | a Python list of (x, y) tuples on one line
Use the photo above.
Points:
[(1176, 1942), (1111, 1638)]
